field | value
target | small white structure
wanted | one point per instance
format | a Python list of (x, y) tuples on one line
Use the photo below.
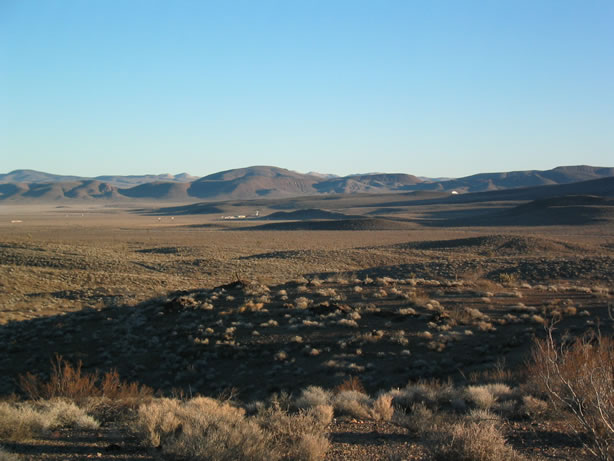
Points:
[(454, 192)]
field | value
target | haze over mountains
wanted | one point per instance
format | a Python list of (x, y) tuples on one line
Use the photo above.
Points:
[(267, 182)]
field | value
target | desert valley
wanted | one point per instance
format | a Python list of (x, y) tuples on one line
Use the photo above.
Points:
[(262, 313)]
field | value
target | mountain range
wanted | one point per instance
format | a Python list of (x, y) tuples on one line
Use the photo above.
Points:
[(267, 182)]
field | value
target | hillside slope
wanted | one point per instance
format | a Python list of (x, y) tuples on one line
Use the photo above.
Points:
[(272, 182)]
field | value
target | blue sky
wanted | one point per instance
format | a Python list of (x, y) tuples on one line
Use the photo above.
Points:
[(432, 88)]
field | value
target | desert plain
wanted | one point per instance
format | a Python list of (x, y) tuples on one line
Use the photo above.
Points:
[(406, 314)]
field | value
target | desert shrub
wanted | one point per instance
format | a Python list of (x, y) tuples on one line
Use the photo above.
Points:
[(201, 428), (382, 408), (508, 278), (19, 422), (578, 377), (313, 396), (323, 414), (352, 383), (352, 403), (62, 413), (472, 441), (65, 381), (348, 323), (302, 302), (433, 394), (477, 415), (299, 436), (204, 428), (422, 420), (533, 407), (480, 396), (22, 421)]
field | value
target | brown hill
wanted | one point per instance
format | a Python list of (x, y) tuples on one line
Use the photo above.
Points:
[(272, 182), (564, 210), (159, 191), (57, 191), (303, 215), (368, 183), (33, 176), (252, 182), (516, 179)]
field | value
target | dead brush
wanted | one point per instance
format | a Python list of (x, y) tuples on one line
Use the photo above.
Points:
[(352, 383), (65, 381), (467, 315), (106, 396), (578, 378)]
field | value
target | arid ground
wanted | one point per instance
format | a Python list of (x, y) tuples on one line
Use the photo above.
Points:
[(389, 295)]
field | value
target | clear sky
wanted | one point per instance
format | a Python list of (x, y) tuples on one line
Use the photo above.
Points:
[(432, 88)]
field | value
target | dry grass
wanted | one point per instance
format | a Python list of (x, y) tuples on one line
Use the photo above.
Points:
[(204, 428), (352, 403), (313, 396), (480, 396), (472, 441), (22, 421)]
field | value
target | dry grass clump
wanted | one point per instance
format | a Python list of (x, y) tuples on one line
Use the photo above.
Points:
[(472, 441), (425, 335), (454, 421), (407, 311), (204, 428), (251, 306), (382, 408), (327, 292), (201, 428), (347, 323), (22, 421), (533, 407), (357, 404), (480, 396), (349, 399), (313, 396), (300, 436), (352, 403), (302, 302), (270, 323), (432, 394)]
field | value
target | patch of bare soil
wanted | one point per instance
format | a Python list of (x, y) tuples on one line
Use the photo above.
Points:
[(373, 440), (106, 444)]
